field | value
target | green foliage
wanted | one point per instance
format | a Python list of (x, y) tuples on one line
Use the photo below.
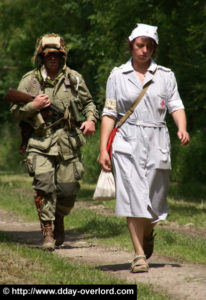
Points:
[(90, 154), (189, 162), (9, 142), (96, 32)]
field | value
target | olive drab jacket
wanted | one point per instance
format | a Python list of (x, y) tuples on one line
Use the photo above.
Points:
[(64, 140)]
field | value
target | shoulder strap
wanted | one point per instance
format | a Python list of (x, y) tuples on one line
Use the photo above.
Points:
[(134, 105)]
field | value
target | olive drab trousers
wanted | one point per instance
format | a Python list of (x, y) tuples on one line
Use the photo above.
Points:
[(57, 179), (53, 152)]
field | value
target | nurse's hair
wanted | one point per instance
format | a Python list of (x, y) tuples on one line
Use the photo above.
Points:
[(150, 42)]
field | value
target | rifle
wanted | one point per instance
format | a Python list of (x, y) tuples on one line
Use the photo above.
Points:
[(50, 113), (19, 97)]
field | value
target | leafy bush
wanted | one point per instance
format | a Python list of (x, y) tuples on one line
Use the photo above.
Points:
[(95, 37), (90, 153), (10, 159), (189, 163)]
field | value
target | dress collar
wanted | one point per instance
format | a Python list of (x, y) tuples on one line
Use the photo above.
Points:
[(126, 68)]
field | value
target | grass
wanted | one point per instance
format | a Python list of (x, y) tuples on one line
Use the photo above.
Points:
[(17, 201), (113, 231), (16, 190), (20, 264), (180, 246), (23, 265), (183, 212), (16, 196)]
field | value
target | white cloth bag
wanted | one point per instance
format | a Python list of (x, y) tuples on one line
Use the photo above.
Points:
[(105, 188)]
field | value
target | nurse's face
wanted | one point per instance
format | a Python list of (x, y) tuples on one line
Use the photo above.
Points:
[(142, 50)]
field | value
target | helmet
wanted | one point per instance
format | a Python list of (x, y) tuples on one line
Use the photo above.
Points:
[(50, 42)]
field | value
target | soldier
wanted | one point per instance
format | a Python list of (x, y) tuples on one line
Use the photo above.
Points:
[(53, 150)]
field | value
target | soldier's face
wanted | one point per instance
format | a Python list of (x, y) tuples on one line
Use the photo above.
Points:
[(52, 61)]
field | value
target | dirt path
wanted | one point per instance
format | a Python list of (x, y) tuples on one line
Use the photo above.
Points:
[(181, 281)]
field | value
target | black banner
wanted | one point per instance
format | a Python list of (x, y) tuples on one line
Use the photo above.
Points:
[(74, 291)]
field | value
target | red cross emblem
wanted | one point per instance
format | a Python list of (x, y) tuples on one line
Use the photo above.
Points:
[(162, 103)]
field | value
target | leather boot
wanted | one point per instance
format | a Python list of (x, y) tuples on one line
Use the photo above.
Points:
[(49, 242), (59, 234)]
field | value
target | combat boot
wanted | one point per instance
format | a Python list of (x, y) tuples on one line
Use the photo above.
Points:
[(49, 242), (59, 234)]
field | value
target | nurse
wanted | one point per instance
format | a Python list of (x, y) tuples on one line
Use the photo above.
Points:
[(141, 149)]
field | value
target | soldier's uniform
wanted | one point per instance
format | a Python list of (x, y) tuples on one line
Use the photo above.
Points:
[(53, 151)]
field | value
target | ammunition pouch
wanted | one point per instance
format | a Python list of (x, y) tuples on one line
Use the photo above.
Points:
[(53, 118), (51, 114)]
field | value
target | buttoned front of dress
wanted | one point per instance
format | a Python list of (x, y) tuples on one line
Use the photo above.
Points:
[(141, 149)]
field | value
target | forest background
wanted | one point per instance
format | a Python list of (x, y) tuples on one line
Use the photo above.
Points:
[(96, 33)]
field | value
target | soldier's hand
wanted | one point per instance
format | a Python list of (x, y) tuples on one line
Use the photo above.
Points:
[(41, 101), (88, 127)]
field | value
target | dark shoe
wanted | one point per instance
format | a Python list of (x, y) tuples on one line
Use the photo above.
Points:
[(49, 242), (59, 234), (148, 245)]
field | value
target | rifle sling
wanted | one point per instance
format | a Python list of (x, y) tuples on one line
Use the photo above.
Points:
[(54, 124)]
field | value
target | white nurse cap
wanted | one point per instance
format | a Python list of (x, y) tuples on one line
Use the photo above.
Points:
[(144, 30)]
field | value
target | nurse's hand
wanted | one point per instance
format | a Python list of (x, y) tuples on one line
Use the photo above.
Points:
[(184, 137), (104, 161)]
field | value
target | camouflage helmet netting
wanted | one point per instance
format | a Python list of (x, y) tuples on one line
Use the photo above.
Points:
[(39, 48)]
